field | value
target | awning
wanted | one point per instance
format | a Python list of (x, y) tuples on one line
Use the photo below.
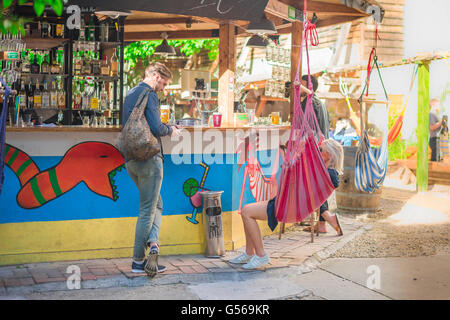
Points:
[(249, 10)]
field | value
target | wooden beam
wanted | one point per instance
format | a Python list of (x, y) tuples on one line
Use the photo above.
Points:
[(185, 34), (141, 22), (324, 8), (227, 64)]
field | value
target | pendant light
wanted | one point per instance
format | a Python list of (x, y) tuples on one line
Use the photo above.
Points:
[(257, 41), (264, 25), (164, 49)]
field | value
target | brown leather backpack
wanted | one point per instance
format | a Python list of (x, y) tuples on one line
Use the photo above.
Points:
[(136, 141)]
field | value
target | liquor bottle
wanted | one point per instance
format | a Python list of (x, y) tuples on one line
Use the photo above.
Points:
[(104, 98), (45, 66), (30, 96), (37, 96), (55, 67), (45, 27), (104, 67), (114, 65), (82, 36), (59, 32), (94, 98), (35, 68), (53, 96), (26, 66), (86, 64), (91, 29), (22, 96), (85, 99), (45, 96), (104, 31), (61, 97), (77, 97)]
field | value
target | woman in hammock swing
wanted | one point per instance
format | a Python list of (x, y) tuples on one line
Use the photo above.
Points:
[(254, 255)]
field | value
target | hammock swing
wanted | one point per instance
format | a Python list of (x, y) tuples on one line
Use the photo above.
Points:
[(304, 181), (395, 130), (371, 164)]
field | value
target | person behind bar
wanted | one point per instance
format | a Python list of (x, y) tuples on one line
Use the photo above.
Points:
[(435, 126), (148, 175), (320, 110), (254, 255)]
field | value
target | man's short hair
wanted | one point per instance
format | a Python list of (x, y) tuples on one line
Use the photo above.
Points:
[(160, 68), (314, 81)]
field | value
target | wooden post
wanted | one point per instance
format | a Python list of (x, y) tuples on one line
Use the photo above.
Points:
[(227, 63), (296, 41), (423, 126)]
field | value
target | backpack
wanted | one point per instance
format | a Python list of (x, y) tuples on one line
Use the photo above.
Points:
[(136, 141)]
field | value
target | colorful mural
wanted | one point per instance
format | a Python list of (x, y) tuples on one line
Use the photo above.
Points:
[(94, 163)]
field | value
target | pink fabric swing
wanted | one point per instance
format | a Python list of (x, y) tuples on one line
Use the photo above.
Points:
[(304, 182)]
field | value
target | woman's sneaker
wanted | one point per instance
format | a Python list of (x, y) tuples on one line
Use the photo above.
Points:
[(256, 262), (242, 258)]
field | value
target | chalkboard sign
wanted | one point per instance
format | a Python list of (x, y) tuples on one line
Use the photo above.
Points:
[(250, 10)]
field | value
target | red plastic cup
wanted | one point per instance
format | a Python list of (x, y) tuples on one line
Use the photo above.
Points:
[(217, 119)]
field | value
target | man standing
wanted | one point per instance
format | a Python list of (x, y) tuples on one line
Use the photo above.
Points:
[(148, 175), (320, 110), (435, 127)]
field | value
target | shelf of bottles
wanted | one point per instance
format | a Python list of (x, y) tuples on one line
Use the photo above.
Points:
[(67, 75)]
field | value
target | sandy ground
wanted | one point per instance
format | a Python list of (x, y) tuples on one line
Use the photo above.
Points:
[(409, 224)]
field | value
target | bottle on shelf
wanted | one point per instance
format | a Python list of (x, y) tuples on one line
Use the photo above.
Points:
[(104, 98), (94, 103), (59, 30), (55, 67), (86, 64), (85, 99), (22, 96), (45, 66), (77, 97), (91, 29), (45, 27), (30, 96), (104, 67), (104, 32), (26, 65), (37, 96), (60, 59), (35, 67), (53, 96), (45, 96), (114, 65), (82, 36), (61, 97)]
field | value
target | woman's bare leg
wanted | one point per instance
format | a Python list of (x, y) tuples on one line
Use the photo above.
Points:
[(251, 213)]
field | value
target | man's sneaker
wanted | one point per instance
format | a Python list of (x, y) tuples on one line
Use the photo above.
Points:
[(256, 262), (242, 258), (139, 267), (151, 266)]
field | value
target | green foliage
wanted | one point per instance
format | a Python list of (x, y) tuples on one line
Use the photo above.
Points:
[(143, 50), (14, 24)]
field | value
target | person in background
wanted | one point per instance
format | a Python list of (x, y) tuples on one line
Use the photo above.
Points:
[(435, 127), (254, 255), (320, 110), (148, 175), (193, 111)]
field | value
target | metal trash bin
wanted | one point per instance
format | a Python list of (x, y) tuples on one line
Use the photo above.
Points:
[(212, 213)]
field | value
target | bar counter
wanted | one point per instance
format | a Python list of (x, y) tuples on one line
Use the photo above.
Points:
[(66, 197)]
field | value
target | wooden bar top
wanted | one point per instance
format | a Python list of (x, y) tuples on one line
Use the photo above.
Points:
[(118, 129)]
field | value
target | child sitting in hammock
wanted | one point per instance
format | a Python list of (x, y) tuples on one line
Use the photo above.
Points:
[(254, 255)]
